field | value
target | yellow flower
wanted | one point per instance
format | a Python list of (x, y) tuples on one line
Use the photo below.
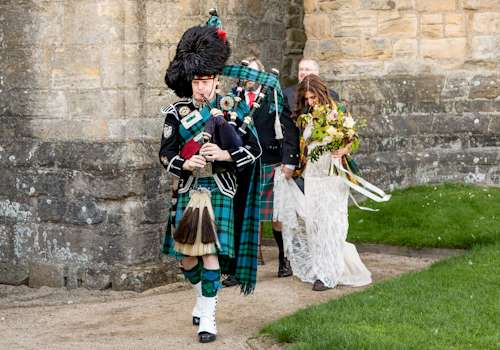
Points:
[(339, 135)]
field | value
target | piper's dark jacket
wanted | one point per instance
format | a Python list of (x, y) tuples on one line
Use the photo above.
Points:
[(224, 172), (274, 151), (290, 94)]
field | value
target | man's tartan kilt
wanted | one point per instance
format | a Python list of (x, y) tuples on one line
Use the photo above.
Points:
[(223, 214), (266, 193)]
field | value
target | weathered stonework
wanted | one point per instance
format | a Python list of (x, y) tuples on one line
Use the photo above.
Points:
[(425, 76), (83, 199)]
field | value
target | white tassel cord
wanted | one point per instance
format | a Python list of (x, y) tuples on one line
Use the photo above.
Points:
[(277, 125)]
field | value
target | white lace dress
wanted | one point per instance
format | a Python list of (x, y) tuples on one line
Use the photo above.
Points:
[(315, 228)]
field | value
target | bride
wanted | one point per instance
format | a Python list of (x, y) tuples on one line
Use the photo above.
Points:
[(315, 222)]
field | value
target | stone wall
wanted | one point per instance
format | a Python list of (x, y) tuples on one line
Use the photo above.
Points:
[(424, 74), (83, 200)]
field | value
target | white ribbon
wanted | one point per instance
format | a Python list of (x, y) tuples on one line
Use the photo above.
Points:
[(364, 187)]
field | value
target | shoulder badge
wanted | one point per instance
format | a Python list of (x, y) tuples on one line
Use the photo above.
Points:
[(184, 111), (167, 131)]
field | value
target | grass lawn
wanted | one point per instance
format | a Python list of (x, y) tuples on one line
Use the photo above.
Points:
[(455, 304), (449, 215)]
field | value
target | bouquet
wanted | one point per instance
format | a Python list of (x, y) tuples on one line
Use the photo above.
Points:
[(331, 127)]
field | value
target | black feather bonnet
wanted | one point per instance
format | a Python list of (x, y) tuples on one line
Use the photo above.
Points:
[(202, 50)]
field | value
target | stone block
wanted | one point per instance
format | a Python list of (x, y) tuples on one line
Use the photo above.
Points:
[(140, 278), (44, 22), (399, 88), (93, 22), (376, 48), (20, 65), (310, 6), (166, 29), (6, 244), (455, 87), (428, 88), (436, 6), (485, 87), (296, 35), (13, 274), (401, 26), (454, 25), (485, 48), (97, 278), (29, 153), (318, 26), (37, 103), (115, 186), (51, 209), (378, 4), (18, 211), (444, 49), (120, 66), (144, 240), (78, 68), (486, 23), (45, 274), (334, 5), (103, 158), (340, 48), (132, 22), (8, 183), (84, 211), (149, 129), (155, 66), (460, 125), (156, 211), (70, 130), (432, 30), (405, 48), (41, 182), (480, 4), (155, 180), (405, 5), (74, 276)]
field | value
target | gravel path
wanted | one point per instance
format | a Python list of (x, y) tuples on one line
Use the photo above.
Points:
[(160, 318)]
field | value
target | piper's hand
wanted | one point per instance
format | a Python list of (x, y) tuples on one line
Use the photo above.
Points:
[(194, 162), (213, 152), (288, 172)]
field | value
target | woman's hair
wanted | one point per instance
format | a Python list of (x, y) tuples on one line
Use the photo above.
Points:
[(315, 85)]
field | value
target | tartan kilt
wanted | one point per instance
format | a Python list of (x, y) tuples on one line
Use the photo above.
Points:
[(223, 215), (266, 193)]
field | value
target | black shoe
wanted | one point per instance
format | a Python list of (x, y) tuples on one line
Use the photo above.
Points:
[(230, 281), (284, 269), (205, 337), (319, 286), (196, 321)]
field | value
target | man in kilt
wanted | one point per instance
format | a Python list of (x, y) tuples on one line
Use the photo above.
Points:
[(279, 138), (194, 75)]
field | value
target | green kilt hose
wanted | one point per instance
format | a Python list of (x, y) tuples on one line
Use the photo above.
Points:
[(223, 217), (266, 193)]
